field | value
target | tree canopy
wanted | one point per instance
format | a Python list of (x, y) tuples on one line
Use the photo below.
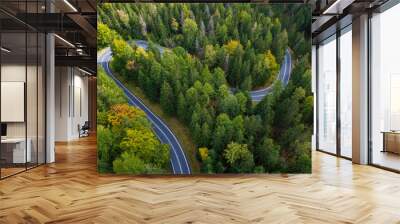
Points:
[(214, 55), (126, 141)]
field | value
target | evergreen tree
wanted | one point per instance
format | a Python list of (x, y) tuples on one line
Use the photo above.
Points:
[(214, 55), (239, 158), (167, 99)]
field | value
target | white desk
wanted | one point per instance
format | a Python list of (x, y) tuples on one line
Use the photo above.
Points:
[(19, 155)]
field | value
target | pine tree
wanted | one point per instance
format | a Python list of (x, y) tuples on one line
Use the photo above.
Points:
[(167, 100)]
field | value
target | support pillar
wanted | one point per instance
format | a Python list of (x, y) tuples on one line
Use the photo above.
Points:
[(360, 90)]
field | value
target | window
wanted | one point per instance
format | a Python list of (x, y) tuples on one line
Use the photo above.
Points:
[(327, 95), (346, 92), (385, 89)]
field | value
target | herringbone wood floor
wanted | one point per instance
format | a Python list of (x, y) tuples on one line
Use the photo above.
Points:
[(71, 191)]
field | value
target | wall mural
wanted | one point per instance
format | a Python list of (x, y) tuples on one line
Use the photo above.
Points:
[(204, 88)]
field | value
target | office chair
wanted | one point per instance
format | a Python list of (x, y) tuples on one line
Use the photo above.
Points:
[(84, 130)]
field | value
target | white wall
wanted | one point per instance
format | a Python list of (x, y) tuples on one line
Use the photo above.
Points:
[(62, 81), (16, 73), (80, 110), (71, 102), (33, 127)]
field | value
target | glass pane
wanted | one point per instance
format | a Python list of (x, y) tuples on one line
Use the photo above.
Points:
[(346, 94), (314, 74), (327, 96), (41, 99), (31, 98), (13, 86), (386, 89), (22, 88)]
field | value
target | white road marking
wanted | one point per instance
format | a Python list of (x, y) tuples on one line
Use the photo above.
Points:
[(108, 55)]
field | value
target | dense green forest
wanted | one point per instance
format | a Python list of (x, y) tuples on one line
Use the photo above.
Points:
[(210, 48), (126, 142)]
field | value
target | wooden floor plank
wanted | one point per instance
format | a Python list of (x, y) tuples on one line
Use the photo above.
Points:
[(71, 191)]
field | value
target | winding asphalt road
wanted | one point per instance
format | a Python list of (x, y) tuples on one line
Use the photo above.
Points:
[(284, 76), (256, 95), (179, 162), (178, 158)]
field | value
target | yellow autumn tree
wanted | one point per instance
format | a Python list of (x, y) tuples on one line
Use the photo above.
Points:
[(120, 111), (232, 45), (203, 151), (145, 145), (271, 66), (140, 52)]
